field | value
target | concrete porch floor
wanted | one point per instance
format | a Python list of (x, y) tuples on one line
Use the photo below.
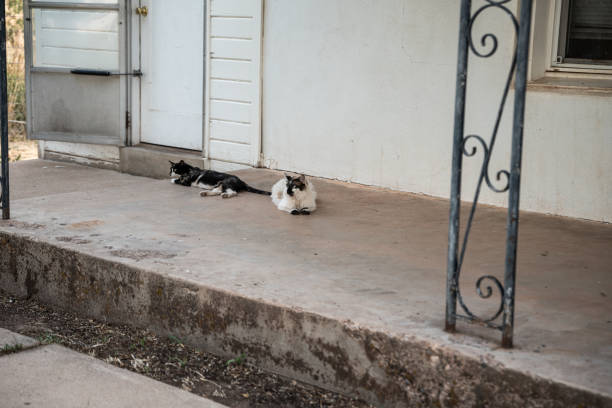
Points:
[(370, 259)]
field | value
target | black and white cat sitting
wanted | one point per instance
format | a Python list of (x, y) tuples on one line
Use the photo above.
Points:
[(214, 182), (295, 195)]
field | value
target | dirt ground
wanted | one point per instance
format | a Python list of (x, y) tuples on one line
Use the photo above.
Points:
[(23, 150), (234, 382)]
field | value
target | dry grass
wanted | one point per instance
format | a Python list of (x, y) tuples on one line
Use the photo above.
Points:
[(19, 147), (22, 149)]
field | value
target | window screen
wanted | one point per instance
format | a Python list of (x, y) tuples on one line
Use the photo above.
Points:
[(589, 30), (75, 38)]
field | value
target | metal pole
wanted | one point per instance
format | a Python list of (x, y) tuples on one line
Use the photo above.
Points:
[(4, 116), (455, 197), (515, 171)]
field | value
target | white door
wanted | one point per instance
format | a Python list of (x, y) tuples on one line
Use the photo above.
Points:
[(172, 63), (234, 84)]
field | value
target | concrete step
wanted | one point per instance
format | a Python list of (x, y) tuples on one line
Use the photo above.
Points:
[(55, 377), (350, 298), (152, 161), (12, 342)]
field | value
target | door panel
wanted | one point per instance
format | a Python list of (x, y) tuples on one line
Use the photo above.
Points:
[(234, 125), (62, 113), (61, 37), (172, 58), (73, 38)]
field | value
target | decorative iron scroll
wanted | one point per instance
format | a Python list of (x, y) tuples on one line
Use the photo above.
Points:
[(507, 180)]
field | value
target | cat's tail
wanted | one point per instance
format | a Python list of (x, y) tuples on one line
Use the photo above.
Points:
[(256, 191)]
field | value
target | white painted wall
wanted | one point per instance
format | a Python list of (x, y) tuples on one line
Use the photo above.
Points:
[(364, 91)]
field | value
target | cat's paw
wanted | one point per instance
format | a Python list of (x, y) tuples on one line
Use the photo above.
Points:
[(295, 212), (173, 181), (305, 211)]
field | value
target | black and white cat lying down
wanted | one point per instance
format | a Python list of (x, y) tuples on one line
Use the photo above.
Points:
[(214, 182)]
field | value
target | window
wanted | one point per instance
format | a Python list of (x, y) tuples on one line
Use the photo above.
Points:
[(75, 38), (584, 34)]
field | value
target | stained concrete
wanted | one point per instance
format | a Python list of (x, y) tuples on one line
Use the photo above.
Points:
[(55, 377), (10, 341), (351, 297)]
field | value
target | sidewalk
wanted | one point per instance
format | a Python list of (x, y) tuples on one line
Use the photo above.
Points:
[(350, 298), (51, 376)]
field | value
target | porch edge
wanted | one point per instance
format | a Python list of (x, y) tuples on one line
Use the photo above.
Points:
[(381, 368)]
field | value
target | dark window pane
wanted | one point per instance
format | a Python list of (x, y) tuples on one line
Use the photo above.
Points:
[(590, 30)]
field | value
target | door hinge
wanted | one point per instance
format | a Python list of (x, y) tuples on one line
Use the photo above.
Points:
[(128, 120)]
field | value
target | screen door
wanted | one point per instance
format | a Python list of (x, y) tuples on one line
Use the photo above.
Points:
[(76, 79)]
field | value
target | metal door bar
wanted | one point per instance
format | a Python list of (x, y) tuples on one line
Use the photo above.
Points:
[(74, 6)]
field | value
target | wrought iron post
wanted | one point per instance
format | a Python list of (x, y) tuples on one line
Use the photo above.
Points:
[(4, 176), (455, 197), (512, 177), (515, 171)]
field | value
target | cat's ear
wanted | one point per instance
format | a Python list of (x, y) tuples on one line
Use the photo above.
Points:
[(171, 162), (302, 178), (288, 177), (182, 162)]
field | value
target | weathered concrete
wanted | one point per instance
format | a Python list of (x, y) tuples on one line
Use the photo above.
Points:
[(10, 341), (55, 377), (351, 298)]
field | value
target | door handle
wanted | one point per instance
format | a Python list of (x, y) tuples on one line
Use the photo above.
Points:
[(103, 73), (142, 11)]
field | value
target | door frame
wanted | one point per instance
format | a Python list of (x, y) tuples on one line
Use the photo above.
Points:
[(133, 48), (206, 82), (124, 80)]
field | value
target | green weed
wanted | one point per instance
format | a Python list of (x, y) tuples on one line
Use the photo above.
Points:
[(11, 348), (49, 338), (237, 361)]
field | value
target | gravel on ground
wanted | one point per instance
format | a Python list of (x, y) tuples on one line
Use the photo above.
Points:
[(235, 382)]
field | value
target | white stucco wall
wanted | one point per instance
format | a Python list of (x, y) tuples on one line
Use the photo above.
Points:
[(364, 91)]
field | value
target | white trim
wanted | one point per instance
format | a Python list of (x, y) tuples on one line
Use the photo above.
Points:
[(257, 146), (207, 24), (205, 80), (124, 80), (134, 50)]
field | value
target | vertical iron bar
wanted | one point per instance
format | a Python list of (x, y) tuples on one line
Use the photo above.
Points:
[(4, 116), (455, 197), (515, 171)]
